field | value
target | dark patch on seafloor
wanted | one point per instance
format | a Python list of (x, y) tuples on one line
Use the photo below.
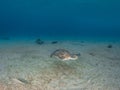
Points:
[(39, 41), (54, 42)]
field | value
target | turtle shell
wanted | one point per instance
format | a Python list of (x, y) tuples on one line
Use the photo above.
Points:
[(64, 55), (61, 54)]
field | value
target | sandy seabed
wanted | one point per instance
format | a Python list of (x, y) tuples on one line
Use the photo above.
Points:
[(28, 66)]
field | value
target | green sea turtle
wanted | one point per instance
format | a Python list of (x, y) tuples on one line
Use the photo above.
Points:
[(64, 55)]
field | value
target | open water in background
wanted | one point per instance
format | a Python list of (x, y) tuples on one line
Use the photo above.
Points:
[(60, 18)]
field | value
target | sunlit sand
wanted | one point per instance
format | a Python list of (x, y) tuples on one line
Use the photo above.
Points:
[(28, 66)]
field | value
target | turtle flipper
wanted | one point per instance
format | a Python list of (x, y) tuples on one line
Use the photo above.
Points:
[(78, 54), (51, 55)]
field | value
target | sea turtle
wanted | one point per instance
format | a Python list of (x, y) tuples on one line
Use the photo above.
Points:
[(64, 55)]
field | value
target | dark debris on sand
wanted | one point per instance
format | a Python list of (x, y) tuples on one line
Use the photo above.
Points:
[(109, 46), (54, 42), (39, 41)]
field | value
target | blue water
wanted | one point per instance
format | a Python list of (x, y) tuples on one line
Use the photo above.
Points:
[(60, 18)]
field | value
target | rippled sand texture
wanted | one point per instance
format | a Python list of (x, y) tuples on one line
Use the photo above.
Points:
[(28, 66)]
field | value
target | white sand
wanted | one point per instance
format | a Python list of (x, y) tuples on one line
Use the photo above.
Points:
[(28, 66)]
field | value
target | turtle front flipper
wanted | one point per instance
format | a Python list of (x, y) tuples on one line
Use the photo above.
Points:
[(78, 54)]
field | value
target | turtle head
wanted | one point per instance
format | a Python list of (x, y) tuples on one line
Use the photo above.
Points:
[(75, 56)]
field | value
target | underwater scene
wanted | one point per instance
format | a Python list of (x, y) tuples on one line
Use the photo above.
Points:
[(59, 45)]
